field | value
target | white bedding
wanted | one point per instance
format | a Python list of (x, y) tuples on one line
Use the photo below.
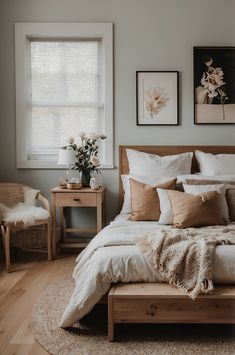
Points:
[(113, 256)]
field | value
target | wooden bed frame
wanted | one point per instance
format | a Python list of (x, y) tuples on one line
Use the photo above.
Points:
[(162, 303)]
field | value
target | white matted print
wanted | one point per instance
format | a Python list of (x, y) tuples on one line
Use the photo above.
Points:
[(157, 97)]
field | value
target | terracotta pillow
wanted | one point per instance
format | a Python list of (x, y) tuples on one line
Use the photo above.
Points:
[(230, 192), (196, 211), (145, 203)]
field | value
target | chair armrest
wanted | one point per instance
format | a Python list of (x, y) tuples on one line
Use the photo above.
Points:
[(44, 202)]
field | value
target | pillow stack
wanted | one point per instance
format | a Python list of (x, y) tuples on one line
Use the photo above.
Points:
[(147, 172), (145, 203), (208, 199)]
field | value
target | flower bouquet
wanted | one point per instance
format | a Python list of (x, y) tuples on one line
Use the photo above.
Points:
[(212, 88), (86, 154)]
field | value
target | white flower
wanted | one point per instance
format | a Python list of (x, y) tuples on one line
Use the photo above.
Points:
[(212, 80), (82, 135), (95, 161), (92, 136), (155, 100), (70, 140)]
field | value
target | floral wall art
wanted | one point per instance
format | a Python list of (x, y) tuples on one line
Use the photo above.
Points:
[(214, 85), (157, 98)]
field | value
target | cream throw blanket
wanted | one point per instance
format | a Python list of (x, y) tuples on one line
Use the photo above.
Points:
[(184, 257)]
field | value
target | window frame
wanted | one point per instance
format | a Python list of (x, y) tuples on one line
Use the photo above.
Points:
[(24, 32)]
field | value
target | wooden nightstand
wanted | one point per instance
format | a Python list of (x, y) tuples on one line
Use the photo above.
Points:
[(84, 197)]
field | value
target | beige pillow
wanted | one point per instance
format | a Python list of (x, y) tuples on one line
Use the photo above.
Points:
[(230, 196), (196, 211), (145, 203), (208, 182), (230, 192)]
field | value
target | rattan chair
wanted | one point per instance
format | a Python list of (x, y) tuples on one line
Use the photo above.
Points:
[(10, 195)]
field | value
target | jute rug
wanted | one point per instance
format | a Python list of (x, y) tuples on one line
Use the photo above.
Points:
[(149, 339)]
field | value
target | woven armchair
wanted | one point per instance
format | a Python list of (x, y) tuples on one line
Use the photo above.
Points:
[(10, 195)]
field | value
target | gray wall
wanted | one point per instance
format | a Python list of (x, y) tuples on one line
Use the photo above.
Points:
[(148, 35)]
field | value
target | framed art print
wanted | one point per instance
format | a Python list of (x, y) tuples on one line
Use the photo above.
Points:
[(214, 85), (157, 101)]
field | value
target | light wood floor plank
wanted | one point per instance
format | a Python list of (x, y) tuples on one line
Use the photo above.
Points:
[(19, 291)]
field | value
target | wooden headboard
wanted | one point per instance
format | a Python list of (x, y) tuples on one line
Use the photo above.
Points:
[(165, 150)]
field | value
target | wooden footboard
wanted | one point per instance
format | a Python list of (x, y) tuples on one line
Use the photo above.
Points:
[(162, 303)]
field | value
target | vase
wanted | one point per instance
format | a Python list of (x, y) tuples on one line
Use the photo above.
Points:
[(94, 183), (86, 177)]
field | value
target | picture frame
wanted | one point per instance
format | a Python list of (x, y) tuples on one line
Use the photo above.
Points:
[(214, 85), (157, 98)]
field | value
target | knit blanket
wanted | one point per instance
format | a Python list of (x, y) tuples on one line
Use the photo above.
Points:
[(184, 257)]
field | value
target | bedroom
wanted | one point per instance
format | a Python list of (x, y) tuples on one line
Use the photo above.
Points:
[(154, 36)]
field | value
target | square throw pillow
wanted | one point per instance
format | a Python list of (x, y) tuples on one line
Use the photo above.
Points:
[(150, 180), (166, 216), (144, 200), (230, 192), (230, 196), (199, 189), (196, 211), (30, 196), (145, 164)]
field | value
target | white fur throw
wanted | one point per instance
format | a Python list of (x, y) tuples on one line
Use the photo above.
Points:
[(26, 214)]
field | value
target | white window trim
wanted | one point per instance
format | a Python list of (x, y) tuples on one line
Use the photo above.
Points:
[(26, 31)]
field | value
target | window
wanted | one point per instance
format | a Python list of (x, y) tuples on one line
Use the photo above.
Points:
[(66, 73)]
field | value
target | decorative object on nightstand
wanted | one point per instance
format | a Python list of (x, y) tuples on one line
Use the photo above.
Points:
[(86, 154), (85, 197), (94, 183), (67, 157)]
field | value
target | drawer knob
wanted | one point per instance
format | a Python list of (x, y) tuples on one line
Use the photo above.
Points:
[(76, 199)]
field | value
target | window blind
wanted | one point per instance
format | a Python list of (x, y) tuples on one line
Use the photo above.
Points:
[(66, 93)]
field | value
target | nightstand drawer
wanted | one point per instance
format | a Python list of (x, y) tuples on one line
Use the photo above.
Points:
[(75, 199)]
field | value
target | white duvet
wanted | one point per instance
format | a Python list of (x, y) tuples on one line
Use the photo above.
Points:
[(112, 256)]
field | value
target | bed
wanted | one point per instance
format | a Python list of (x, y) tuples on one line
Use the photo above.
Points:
[(112, 256)]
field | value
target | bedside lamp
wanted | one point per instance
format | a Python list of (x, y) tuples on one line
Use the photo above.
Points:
[(67, 157)]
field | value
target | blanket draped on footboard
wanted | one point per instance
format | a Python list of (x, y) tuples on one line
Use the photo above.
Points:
[(184, 257)]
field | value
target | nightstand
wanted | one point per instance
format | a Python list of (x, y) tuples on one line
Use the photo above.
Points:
[(84, 197)]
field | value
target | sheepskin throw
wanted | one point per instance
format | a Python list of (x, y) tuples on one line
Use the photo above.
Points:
[(26, 214), (184, 257)]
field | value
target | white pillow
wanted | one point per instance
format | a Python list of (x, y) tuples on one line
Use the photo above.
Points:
[(144, 164), (220, 164), (30, 196), (150, 180), (166, 216)]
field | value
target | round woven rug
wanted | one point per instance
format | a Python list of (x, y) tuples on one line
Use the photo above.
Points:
[(147, 339)]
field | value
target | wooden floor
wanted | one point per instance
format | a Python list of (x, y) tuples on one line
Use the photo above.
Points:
[(18, 293)]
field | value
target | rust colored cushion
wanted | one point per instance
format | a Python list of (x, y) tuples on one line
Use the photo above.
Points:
[(196, 211), (145, 203), (230, 192)]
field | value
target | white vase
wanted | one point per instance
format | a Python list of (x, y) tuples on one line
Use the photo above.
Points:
[(202, 96), (94, 183)]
